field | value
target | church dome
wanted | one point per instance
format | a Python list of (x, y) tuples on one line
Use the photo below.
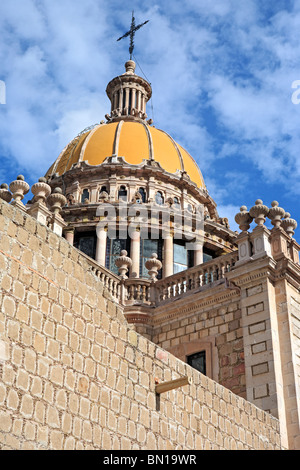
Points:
[(135, 141)]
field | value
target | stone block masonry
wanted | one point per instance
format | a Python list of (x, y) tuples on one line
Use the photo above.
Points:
[(74, 375)]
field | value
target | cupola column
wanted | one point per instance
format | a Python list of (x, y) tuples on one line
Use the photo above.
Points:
[(135, 254), (139, 101), (121, 100), (168, 258), (198, 253), (126, 111), (101, 246), (133, 100)]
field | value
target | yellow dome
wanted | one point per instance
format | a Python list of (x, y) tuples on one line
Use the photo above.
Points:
[(134, 141)]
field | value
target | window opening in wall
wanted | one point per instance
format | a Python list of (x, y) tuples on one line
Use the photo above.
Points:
[(159, 199), (122, 194), (176, 203), (198, 361), (208, 254), (113, 250), (130, 100), (182, 258), (143, 194), (124, 99), (85, 195), (148, 247), (86, 242)]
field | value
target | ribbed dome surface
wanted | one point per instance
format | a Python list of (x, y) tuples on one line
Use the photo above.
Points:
[(135, 141)]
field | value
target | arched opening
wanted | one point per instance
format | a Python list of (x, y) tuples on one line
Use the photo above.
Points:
[(159, 198), (122, 193), (85, 195)]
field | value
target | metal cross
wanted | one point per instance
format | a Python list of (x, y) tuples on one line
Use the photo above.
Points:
[(131, 33)]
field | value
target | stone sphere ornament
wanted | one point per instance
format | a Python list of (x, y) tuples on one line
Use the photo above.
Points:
[(5, 194), (19, 188), (259, 212), (123, 263), (153, 265), (56, 201), (275, 214), (41, 191), (243, 219), (289, 225)]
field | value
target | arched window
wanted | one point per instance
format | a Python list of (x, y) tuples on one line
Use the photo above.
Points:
[(176, 203), (159, 199), (103, 189), (85, 195), (122, 194), (143, 194)]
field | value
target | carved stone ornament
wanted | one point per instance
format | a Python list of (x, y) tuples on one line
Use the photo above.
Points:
[(123, 263), (259, 212), (19, 188), (56, 201), (41, 191), (103, 197), (276, 213), (153, 265), (288, 224), (243, 219), (5, 194)]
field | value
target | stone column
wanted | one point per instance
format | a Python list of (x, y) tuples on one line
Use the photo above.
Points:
[(121, 101), (133, 99), (69, 235), (168, 257), (139, 99), (135, 254), (101, 246), (198, 253), (126, 100)]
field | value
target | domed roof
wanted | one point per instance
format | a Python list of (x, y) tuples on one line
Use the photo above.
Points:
[(135, 141)]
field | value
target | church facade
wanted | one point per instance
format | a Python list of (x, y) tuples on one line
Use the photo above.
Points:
[(133, 204)]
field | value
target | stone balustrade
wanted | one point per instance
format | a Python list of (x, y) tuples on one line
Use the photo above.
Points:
[(277, 242), (45, 206), (111, 282), (138, 291), (195, 278)]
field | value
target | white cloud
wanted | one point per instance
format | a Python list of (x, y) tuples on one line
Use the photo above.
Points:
[(221, 74)]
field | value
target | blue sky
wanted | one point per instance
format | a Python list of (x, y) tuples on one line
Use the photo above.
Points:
[(221, 73)]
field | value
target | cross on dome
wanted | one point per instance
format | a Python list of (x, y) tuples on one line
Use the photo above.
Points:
[(131, 33)]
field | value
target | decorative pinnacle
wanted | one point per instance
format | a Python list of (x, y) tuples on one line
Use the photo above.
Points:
[(131, 33)]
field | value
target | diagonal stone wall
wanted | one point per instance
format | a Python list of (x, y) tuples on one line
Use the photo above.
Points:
[(74, 375)]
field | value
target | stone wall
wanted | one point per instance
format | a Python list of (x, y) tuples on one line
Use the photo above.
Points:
[(74, 375), (210, 321)]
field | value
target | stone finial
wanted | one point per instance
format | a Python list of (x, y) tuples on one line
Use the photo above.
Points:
[(259, 212), (56, 201), (288, 224), (104, 197), (130, 67), (19, 188), (41, 191), (153, 265), (5, 194), (123, 263), (275, 214), (244, 219)]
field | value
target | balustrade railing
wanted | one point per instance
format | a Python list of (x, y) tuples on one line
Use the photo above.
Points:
[(138, 291), (111, 281), (196, 277), (134, 291)]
